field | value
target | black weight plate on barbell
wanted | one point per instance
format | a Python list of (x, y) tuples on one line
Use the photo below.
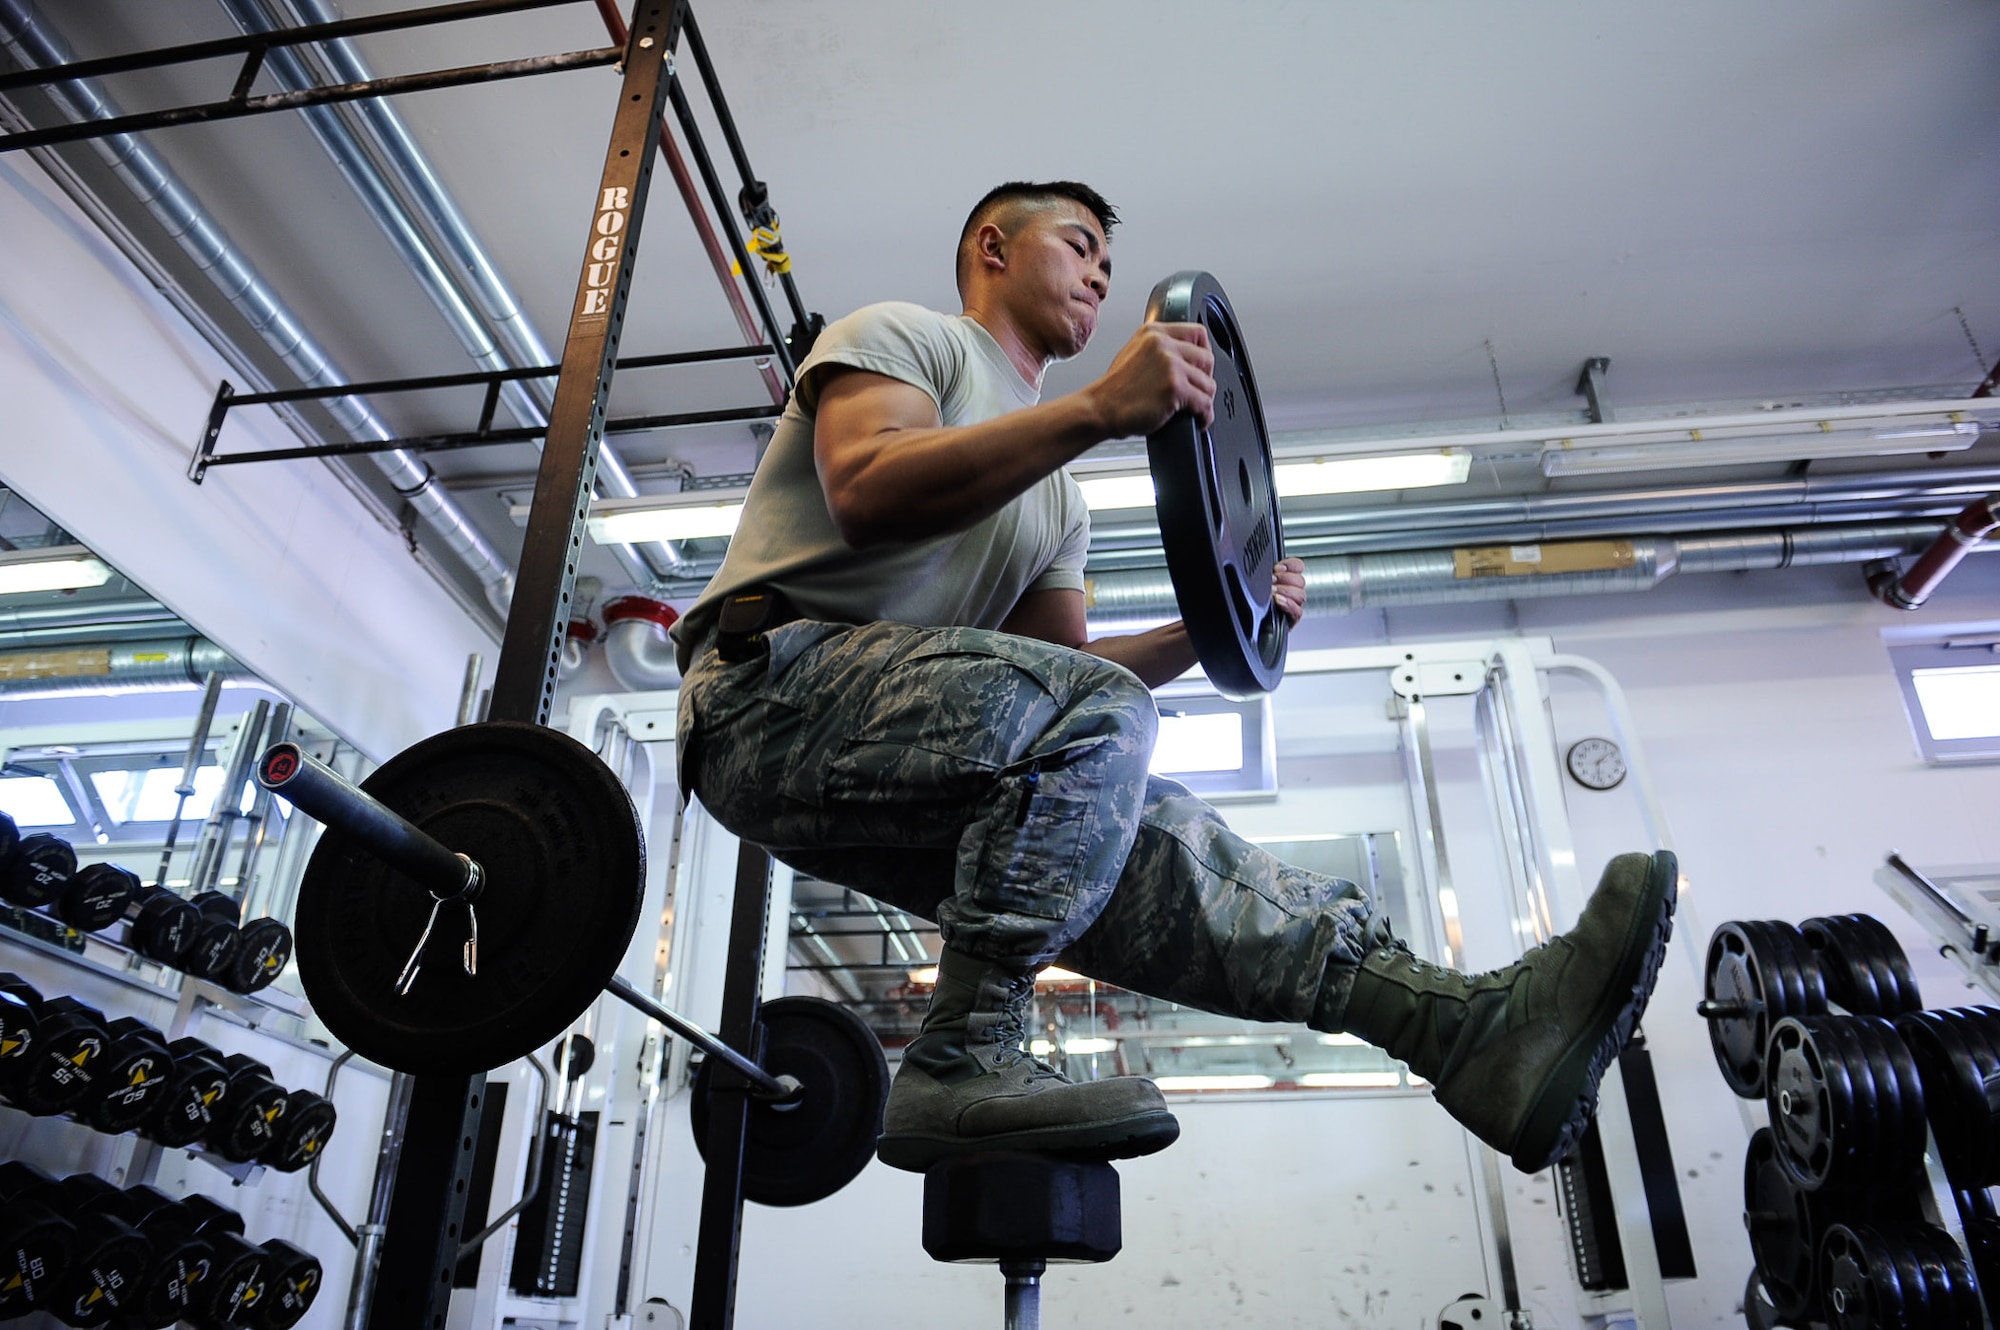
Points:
[(1866, 970), (1217, 495), (1755, 963), (1759, 1312), (565, 860), (263, 950), (1824, 1104), (1954, 1095), (1982, 1242), (1778, 1214), (803, 1152)]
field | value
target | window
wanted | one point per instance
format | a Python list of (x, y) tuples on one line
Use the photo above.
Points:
[(1218, 748), (34, 802), (1951, 687), (147, 794)]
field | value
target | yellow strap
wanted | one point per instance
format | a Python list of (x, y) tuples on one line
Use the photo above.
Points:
[(768, 244)]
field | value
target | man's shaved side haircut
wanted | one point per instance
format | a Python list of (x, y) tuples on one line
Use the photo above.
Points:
[(1002, 200)]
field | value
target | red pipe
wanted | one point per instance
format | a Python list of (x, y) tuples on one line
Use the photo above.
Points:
[(718, 258), (1978, 520)]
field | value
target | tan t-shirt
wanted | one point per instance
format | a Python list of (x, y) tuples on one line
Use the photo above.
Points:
[(972, 578)]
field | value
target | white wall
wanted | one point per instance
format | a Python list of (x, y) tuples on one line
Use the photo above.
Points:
[(104, 391)]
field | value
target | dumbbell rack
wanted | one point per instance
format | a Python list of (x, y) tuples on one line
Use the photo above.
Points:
[(196, 997)]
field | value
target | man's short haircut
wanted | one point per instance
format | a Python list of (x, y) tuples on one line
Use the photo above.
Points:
[(1018, 192)]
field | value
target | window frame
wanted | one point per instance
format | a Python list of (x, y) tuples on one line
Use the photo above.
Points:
[(1945, 652)]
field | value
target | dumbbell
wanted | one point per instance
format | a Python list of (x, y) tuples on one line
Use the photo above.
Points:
[(160, 925), (291, 1282), (175, 1284), (251, 1108), (10, 841), (301, 1134), (196, 1089), (216, 938), (40, 868), (17, 1017), (109, 1263), (96, 896), (131, 1077), (260, 951), (237, 1282), (37, 1247), (59, 1068)]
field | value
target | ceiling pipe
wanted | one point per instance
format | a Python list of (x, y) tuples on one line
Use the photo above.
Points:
[(1344, 583), (636, 646), (1960, 537), (33, 44), (441, 252), (116, 667)]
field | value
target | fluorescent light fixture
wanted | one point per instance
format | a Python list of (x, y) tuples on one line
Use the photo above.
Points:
[(1213, 1082), (1101, 492), (1962, 702), (1354, 475), (1696, 446), (1320, 475), (1040, 1048), (927, 976), (1084, 1047), (1351, 1080), (679, 520), (67, 568)]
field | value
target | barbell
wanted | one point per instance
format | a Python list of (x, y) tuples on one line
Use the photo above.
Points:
[(542, 919)]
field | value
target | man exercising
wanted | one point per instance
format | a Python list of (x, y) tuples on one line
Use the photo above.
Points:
[(889, 685)]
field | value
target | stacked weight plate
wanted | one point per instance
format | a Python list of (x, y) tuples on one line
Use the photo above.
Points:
[(1817, 1021)]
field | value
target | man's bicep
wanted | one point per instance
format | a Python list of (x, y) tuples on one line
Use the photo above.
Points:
[(857, 409), (1055, 615)]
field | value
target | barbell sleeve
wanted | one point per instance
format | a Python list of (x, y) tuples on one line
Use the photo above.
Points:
[(322, 793), (768, 1086)]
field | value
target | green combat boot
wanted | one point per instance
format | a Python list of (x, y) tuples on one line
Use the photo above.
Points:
[(967, 1087), (1515, 1055)]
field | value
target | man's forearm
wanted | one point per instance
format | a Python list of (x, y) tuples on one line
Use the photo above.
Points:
[(906, 484), (1158, 656)]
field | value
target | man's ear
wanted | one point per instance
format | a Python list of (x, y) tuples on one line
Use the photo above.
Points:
[(989, 246)]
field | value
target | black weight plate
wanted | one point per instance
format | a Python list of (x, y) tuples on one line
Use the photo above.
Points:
[(1759, 1312), (1954, 1292), (565, 861), (1753, 965), (807, 1150), (41, 867), (164, 928), (1777, 1211), (291, 1283), (1821, 1097), (302, 1133), (1217, 496), (1900, 1248), (263, 949), (1954, 1095), (1982, 1241), (1863, 1288), (10, 841), (1900, 1130)]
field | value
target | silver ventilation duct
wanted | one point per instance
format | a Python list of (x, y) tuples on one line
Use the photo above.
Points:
[(116, 667), (1340, 584), (33, 44), (85, 620), (441, 252)]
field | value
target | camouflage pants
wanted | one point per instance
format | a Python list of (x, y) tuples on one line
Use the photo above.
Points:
[(998, 785)]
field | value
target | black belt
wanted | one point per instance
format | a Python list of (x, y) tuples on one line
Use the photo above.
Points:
[(745, 618)]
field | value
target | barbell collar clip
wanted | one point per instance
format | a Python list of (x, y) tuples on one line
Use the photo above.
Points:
[(325, 795)]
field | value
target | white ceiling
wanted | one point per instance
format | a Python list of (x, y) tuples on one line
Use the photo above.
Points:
[(1728, 200)]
